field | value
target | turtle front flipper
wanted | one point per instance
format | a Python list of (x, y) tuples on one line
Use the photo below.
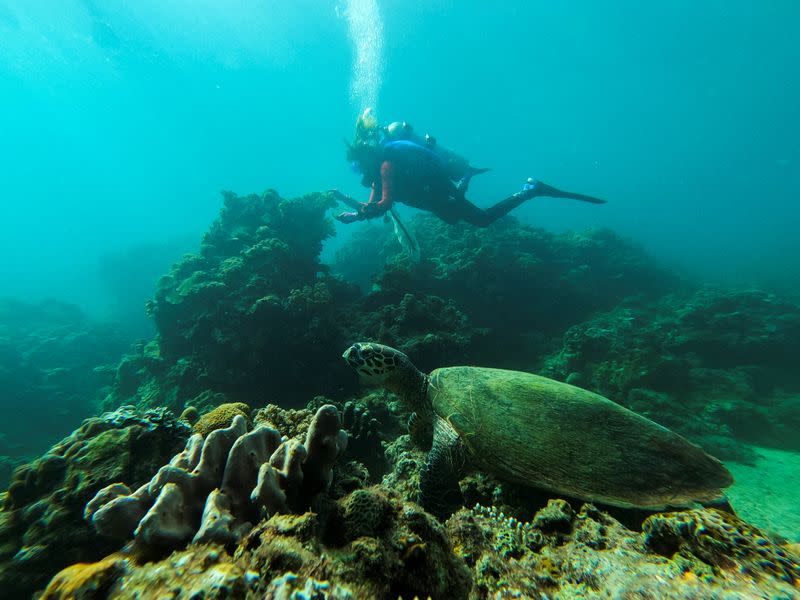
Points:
[(439, 493), (421, 431)]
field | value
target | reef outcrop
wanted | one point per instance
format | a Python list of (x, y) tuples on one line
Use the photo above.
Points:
[(233, 318)]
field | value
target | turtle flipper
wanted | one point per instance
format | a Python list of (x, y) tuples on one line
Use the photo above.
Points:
[(439, 493), (420, 430)]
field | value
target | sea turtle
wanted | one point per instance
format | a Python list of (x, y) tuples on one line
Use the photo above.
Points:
[(539, 432)]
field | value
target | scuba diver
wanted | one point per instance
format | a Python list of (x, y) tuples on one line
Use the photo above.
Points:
[(401, 166)]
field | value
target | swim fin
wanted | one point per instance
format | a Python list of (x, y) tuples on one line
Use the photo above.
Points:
[(542, 189)]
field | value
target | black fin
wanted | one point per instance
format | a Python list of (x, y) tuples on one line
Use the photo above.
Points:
[(542, 189)]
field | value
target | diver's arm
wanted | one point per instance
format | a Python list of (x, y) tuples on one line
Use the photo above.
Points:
[(363, 210), (387, 182), (374, 207)]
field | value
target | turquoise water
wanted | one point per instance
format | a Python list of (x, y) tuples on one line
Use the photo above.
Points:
[(120, 124), (128, 284)]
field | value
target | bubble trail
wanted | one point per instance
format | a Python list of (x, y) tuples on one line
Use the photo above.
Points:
[(366, 32)]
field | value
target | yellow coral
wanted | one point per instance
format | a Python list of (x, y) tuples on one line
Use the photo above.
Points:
[(85, 580), (221, 417)]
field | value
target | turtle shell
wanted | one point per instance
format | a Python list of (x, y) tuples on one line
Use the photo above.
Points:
[(552, 435)]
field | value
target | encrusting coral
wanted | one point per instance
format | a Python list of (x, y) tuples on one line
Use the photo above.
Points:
[(85, 580), (218, 486), (220, 417)]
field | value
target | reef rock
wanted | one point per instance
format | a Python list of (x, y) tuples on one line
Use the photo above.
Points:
[(561, 555)]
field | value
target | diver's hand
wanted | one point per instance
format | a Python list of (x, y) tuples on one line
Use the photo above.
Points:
[(349, 217), (346, 200), (370, 210)]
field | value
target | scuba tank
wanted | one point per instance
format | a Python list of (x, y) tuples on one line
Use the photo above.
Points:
[(456, 166)]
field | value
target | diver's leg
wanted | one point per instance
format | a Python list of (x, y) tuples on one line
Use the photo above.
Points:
[(464, 210), (461, 209)]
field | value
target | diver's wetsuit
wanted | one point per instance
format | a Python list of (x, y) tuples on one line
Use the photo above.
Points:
[(418, 176)]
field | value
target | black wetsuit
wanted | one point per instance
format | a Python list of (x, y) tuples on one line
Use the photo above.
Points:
[(418, 176)]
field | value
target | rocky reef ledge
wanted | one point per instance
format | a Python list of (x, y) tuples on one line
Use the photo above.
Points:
[(211, 523)]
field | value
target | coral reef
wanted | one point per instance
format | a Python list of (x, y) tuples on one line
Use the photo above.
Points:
[(233, 318), (219, 485), (426, 326), (543, 282), (254, 317), (369, 544), (372, 544), (680, 362), (41, 522)]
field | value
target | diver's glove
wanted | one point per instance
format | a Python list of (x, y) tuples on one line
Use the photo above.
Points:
[(349, 217), (365, 211)]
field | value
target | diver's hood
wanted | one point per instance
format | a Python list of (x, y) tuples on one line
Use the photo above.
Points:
[(367, 131)]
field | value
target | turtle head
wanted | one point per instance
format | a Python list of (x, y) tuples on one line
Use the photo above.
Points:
[(383, 366)]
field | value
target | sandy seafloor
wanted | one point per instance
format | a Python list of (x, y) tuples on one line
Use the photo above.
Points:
[(768, 493)]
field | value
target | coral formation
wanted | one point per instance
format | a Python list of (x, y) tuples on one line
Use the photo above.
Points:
[(546, 282), (425, 326), (372, 544), (41, 522), (233, 318), (291, 422), (379, 546), (220, 417), (218, 486)]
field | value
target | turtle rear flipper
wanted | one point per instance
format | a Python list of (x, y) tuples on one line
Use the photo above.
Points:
[(439, 493)]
